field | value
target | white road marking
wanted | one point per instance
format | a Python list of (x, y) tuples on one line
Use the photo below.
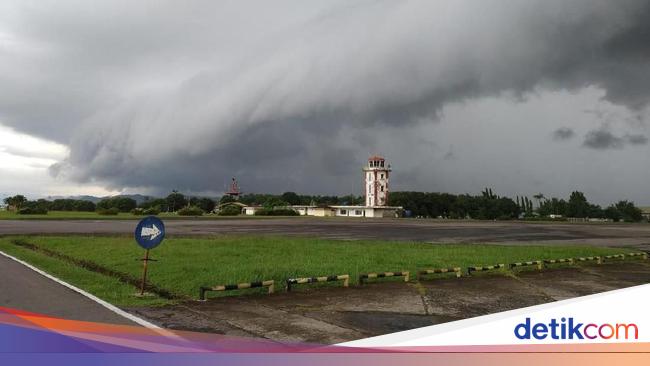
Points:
[(92, 297)]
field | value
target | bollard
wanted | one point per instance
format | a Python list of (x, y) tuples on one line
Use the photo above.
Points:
[(644, 255), (239, 286), (615, 256), (295, 281), (561, 260), (425, 272), (539, 264), (484, 268), (598, 260), (365, 276)]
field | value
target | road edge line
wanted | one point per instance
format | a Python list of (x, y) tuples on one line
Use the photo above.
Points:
[(92, 297)]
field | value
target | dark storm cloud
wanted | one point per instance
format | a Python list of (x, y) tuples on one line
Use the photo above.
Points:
[(602, 139), (636, 139), (563, 133), (292, 97)]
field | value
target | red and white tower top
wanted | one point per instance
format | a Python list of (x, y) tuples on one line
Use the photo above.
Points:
[(376, 181), (234, 190)]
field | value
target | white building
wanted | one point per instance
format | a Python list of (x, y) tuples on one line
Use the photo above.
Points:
[(376, 174)]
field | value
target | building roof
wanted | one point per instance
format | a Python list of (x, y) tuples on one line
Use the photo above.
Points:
[(355, 207), (234, 203), (376, 158)]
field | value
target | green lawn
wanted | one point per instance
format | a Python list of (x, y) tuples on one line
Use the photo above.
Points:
[(186, 264), (80, 215)]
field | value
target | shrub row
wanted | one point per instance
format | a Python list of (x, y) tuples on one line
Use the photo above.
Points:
[(276, 212)]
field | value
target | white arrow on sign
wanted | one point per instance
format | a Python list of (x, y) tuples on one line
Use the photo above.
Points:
[(152, 232)]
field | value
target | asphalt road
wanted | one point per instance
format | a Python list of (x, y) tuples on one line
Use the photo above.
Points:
[(433, 231), (23, 289)]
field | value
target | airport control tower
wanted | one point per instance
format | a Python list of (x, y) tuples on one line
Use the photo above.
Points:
[(376, 181)]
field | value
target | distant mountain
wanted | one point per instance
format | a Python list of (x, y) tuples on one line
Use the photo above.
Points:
[(137, 197), (84, 198)]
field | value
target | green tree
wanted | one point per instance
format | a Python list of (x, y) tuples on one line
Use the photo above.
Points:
[(204, 203), (228, 199), (612, 213), (175, 201), (157, 204), (578, 206), (291, 198), (83, 205), (274, 202), (553, 206), (16, 201), (122, 204), (628, 211), (230, 210)]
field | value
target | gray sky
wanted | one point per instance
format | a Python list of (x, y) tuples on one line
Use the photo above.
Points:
[(521, 96)]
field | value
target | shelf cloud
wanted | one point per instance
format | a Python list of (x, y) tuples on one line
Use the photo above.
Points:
[(293, 97)]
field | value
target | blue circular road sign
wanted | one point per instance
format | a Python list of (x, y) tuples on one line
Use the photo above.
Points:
[(150, 232)]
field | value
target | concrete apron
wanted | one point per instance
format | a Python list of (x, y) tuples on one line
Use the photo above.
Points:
[(334, 314)]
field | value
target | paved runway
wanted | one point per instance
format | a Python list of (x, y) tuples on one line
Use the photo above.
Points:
[(433, 231), (24, 289)]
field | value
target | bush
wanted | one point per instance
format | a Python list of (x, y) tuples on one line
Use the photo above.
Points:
[(190, 211), (159, 204), (137, 211), (155, 210), (276, 212), (108, 211), (205, 204), (230, 210), (34, 210), (81, 205), (123, 204), (67, 204)]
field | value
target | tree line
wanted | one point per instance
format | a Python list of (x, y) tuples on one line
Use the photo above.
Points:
[(489, 206), (486, 206), (22, 205), (292, 198)]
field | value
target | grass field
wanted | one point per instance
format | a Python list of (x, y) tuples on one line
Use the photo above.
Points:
[(186, 264), (80, 215)]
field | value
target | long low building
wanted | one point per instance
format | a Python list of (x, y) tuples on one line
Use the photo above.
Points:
[(343, 210), (375, 188)]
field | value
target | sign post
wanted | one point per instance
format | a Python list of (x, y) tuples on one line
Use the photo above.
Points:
[(149, 233)]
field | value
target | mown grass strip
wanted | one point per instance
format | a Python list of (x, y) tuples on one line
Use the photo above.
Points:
[(94, 267), (186, 264)]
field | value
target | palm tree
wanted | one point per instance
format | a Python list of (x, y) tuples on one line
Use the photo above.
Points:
[(539, 197), (16, 201)]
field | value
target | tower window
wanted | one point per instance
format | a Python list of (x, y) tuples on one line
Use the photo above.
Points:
[(382, 175), (382, 188)]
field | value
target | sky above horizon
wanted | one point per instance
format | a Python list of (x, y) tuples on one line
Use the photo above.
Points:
[(108, 97)]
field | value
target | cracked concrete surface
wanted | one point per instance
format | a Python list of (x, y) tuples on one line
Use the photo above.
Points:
[(330, 315)]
